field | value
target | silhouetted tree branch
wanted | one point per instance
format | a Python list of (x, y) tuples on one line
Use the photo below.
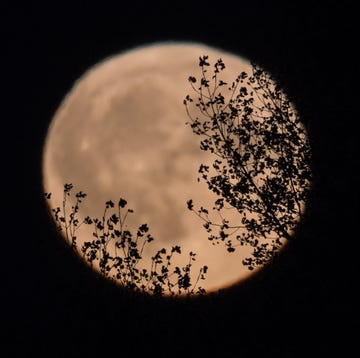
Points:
[(117, 251), (261, 166)]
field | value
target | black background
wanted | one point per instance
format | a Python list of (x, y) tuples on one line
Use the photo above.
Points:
[(304, 305)]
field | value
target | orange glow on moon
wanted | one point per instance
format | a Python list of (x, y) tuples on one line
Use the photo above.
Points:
[(120, 132)]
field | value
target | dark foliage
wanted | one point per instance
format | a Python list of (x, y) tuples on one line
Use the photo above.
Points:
[(261, 166), (116, 251)]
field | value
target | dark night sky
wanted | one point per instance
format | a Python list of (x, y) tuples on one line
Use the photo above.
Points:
[(303, 305)]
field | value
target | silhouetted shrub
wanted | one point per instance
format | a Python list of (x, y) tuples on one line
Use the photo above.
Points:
[(117, 251)]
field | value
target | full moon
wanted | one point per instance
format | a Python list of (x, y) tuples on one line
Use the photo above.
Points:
[(120, 132)]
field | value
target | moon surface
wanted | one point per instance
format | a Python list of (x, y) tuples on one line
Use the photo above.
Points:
[(120, 132)]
